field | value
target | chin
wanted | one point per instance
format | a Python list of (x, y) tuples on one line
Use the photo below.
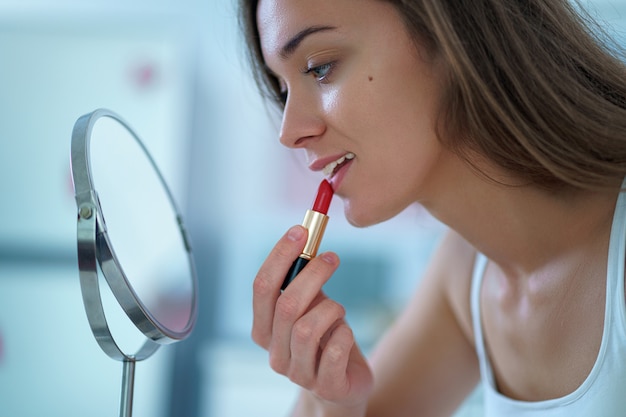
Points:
[(363, 217)]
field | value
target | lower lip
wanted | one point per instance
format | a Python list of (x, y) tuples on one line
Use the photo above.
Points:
[(338, 177)]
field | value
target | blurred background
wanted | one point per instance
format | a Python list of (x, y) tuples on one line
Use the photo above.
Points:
[(176, 71)]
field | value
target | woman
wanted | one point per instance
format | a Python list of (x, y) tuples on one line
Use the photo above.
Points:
[(506, 120)]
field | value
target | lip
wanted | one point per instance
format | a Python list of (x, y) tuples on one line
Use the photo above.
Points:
[(320, 164), (336, 179)]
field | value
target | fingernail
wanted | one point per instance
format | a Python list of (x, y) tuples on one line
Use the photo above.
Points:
[(329, 258), (295, 233)]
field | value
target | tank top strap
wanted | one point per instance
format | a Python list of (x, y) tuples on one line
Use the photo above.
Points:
[(480, 265), (615, 298)]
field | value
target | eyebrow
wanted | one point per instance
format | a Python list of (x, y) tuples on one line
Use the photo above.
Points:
[(290, 47)]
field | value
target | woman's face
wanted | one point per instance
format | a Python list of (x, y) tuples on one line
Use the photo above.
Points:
[(356, 85)]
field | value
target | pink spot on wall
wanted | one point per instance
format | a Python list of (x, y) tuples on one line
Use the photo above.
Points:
[(144, 75)]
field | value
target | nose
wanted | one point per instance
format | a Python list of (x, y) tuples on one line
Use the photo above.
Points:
[(301, 122)]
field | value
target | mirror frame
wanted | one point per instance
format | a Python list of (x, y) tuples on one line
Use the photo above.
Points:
[(94, 246)]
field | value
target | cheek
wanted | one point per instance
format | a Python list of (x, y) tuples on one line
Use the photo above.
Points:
[(350, 107), (331, 100)]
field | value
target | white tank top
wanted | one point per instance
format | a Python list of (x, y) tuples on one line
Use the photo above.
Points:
[(603, 393)]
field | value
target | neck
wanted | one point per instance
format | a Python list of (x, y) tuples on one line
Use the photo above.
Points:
[(520, 228)]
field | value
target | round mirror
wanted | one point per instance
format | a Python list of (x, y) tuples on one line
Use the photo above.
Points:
[(131, 232)]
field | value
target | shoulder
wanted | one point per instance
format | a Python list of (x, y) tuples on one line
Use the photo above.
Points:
[(453, 264), (429, 348)]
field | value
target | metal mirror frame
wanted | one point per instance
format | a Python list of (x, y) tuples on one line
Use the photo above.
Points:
[(94, 246)]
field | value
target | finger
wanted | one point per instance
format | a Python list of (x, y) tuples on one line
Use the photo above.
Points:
[(266, 287), (332, 375), (297, 298), (306, 341)]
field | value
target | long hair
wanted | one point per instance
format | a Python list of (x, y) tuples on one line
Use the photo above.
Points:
[(535, 86)]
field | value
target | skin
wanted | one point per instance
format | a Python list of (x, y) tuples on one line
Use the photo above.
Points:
[(543, 292), (351, 105)]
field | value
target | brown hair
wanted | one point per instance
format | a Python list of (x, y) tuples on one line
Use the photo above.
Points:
[(534, 85)]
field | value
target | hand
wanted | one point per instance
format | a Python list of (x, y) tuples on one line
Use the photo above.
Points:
[(304, 331)]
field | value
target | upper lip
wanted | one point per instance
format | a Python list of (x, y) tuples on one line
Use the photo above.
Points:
[(320, 163)]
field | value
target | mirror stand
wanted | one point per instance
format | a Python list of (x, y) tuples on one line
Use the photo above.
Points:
[(128, 386)]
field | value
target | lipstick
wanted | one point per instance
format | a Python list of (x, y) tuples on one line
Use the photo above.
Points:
[(315, 220)]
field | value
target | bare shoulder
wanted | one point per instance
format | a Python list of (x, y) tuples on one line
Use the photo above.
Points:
[(429, 349), (453, 263)]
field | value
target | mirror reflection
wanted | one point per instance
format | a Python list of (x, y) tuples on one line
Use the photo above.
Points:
[(142, 225)]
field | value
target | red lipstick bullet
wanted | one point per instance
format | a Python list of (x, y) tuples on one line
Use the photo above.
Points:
[(314, 221)]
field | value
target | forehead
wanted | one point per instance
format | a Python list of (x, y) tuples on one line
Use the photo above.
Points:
[(279, 20)]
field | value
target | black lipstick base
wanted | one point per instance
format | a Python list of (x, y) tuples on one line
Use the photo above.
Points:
[(297, 266)]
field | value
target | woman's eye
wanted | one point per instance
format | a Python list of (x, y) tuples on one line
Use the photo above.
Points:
[(320, 72)]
